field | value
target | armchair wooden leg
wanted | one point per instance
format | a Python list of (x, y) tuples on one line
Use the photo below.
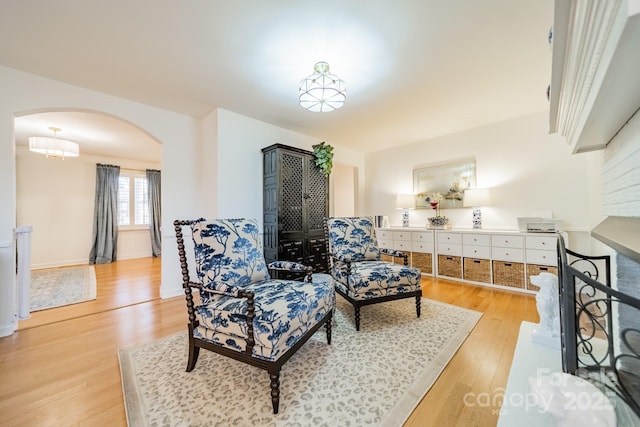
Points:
[(418, 299), (275, 389), (357, 310), (194, 351), (327, 326)]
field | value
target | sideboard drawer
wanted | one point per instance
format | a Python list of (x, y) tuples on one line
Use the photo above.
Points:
[(542, 242), (401, 235), (449, 249), (423, 247), (422, 236), (536, 256), (385, 243), (471, 251), (402, 245), (384, 234), (449, 238), (476, 239), (507, 241), (508, 254)]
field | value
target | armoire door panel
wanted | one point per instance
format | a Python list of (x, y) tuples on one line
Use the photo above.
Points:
[(296, 202)]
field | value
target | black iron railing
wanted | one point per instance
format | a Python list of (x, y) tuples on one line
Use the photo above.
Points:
[(598, 341)]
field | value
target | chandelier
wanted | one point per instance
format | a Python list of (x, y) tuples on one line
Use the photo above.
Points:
[(53, 147), (322, 91)]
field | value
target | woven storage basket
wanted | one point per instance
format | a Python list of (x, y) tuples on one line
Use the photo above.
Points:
[(387, 258), (450, 266), (422, 261), (477, 270), (400, 259), (396, 259), (508, 274), (534, 270)]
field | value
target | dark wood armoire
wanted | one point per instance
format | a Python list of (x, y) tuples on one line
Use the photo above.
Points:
[(296, 202)]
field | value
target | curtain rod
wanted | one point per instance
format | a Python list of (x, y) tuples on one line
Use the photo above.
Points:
[(139, 170), (129, 169)]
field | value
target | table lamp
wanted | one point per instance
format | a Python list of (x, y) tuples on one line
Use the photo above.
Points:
[(475, 198), (405, 202)]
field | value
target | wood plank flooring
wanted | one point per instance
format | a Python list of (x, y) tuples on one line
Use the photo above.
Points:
[(61, 368)]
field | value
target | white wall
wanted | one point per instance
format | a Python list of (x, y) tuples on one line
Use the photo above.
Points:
[(526, 169), (240, 140), (343, 189), (57, 198)]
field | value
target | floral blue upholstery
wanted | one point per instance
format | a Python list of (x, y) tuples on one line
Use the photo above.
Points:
[(360, 276), (228, 255), (354, 240)]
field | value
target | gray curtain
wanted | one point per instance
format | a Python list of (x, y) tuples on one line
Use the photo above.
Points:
[(105, 214), (153, 182)]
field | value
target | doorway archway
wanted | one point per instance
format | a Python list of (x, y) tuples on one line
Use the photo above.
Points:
[(57, 196)]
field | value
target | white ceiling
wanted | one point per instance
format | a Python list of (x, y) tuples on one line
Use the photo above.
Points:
[(414, 69)]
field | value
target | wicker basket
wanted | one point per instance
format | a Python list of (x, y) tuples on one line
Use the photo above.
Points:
[(534, 270), (477, 270), (422, 261), (395, 259), (508, 274), (400, 259), (450, 266), (387, 258)]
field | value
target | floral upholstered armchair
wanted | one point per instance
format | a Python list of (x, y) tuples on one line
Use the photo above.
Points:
[(360, 276), (239, 311)]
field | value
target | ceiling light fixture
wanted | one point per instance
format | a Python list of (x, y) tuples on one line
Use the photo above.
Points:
[(53, 147), (322, 91)]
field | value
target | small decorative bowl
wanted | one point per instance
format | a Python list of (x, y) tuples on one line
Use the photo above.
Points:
[(438, 220)]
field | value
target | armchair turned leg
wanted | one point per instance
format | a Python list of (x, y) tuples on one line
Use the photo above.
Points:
[(327, 326), (275, 390), (418, 299), (194, 351), (357, 309)]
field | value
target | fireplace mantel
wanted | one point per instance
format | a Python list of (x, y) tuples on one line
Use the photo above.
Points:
[(622, 234), (594, 84)]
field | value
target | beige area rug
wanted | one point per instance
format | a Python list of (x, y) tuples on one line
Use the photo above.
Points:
[(55, 287), (374, 377)]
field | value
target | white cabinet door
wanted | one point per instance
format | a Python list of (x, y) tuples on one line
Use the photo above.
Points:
[(537, 256), (542, 242), (472, 251), (444, 237), (445, 248), (507, 254), (507, 241)]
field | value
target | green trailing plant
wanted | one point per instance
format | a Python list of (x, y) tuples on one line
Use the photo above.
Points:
[(324, 157)]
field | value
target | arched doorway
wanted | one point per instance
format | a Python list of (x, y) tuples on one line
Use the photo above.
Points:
[(57, 196)]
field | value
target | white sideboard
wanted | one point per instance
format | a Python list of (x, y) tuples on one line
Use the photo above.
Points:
[(497, 258)]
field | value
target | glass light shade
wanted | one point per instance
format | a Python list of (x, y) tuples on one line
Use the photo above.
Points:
[(322, 91), (476, 197), (53, 147), (405, 201)]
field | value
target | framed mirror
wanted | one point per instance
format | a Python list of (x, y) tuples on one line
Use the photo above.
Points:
[(445, 183)]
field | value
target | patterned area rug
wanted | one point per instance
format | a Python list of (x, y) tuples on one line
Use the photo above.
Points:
[(374, 377), (55, 287)]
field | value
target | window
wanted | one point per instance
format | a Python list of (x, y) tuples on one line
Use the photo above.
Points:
[(133, 200)]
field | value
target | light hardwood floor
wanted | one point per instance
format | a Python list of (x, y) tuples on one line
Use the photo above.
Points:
[(61, 368)]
